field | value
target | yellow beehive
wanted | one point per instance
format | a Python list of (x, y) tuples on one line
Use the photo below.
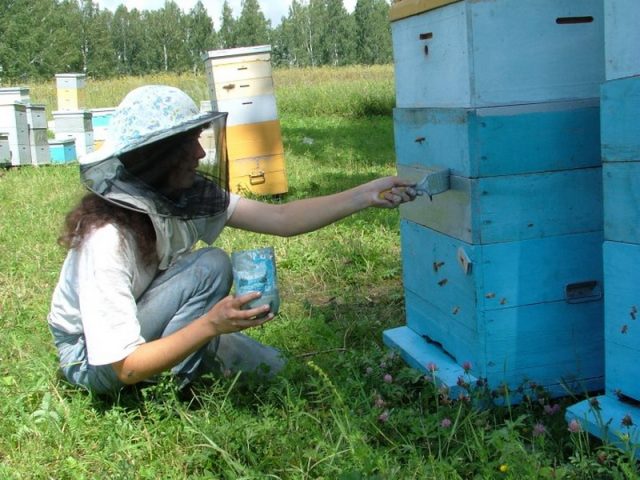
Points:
[(240, 83), (70, 91), (259, 175)]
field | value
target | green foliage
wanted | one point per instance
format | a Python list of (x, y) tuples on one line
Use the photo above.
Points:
[(372, 31), (344, 408), (251, 28), (319, 32), (43, 37)]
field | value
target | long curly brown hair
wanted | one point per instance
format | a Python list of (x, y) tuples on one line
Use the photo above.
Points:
[(93, 212)]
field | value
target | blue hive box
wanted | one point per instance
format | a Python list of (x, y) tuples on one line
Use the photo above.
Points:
[(516, 310), (481, 142), (620, 125), (62, 151), (475, 53), (622, 326)]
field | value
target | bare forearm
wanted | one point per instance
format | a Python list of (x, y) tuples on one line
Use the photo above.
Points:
[(226, 316), (306, 215), (154, 357), (310, 214)]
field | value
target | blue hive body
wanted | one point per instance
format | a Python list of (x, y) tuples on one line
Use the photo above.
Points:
[(614, 416), (504, 270)]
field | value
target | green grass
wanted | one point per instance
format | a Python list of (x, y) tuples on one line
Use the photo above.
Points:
[(332, 414)]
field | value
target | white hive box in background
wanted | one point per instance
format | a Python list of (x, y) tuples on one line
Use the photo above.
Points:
[(76, 124), (13, 121), (36, 116), (39, 145), (14, 94), (5, 153), (72, 121)]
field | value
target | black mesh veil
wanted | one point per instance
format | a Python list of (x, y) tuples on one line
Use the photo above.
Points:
[(161, 178)]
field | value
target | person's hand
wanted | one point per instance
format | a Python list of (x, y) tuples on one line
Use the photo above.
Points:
[(389, 192), (227, 316)]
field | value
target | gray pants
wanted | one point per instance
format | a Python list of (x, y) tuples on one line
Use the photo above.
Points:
[(176, 297)]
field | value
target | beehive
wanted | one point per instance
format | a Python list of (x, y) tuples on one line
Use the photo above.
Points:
[(240, 83), (14, 94), (504, 270), (13, 121), (62, 150), (70, 88), (76, 124), (613, 416), (5, 152)]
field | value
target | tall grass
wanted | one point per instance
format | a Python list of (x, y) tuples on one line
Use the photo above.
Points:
[(356, 91), (345, 407)]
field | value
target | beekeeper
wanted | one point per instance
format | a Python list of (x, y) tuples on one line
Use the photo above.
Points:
[(134, 298)]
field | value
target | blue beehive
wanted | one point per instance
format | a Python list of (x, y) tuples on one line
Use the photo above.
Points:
[(63, 150), (614, 415), (504, 270)]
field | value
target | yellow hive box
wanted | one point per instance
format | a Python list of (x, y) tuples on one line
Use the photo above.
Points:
[(259, 175), (71, 98), (254, 140), (406, 8)]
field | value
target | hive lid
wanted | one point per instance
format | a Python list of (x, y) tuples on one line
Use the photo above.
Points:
[(406, 8), (235, 52)]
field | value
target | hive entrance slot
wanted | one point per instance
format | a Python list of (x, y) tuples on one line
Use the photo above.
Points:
[(571, 20), (440, 346)]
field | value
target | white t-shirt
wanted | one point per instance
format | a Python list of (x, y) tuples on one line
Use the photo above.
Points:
[(99, 285)]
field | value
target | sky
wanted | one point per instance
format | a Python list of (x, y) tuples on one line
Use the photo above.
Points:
[(273, 10)]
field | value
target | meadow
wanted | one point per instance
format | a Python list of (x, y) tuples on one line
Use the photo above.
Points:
[(345, 407)]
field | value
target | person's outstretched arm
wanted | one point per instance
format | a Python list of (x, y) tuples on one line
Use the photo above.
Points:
[(306, 215)]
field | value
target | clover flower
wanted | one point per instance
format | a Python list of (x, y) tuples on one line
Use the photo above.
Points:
[(539, 430), (574, 426), (445, 423), (551, 409)]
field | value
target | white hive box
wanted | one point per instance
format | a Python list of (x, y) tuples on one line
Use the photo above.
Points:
[(39, 145), (72, 121), (229, 71), (14, 94), (5, 153), (497, 52), (13, 121), (36, 116)]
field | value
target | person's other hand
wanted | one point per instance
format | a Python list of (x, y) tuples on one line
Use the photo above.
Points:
[(227, 315)]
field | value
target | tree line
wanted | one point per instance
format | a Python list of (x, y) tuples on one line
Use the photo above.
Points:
[(39, 38)]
